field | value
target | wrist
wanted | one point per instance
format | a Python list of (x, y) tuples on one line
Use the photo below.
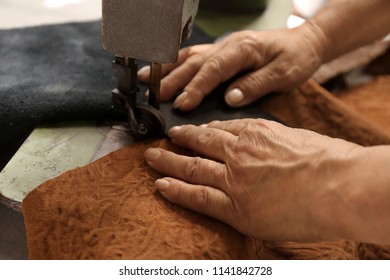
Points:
[(368, 194), (333, 203), (343, 26), (314, 36), (358, 208)]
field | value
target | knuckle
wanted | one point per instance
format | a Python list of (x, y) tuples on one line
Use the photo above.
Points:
[(196, 61), (284, 73), (262, 128), (202, 57), (248, 42), (193, 63), (250, 35), (216, 66), (191, 167), (243, 35), (251, 137), (256, 124), (219, 175), (205, 138), (252, 84), (214, 123), (246, 48), (237, 154), (187, 52), (193, 50), (210, 73), (202, 198)]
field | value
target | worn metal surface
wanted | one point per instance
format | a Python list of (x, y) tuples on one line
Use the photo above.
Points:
[(48, 152), (149, 30)]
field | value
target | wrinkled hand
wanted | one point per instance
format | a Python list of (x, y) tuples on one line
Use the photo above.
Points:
[(272, 60), (264, 179)]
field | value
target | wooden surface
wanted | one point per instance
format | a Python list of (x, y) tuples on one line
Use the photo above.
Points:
[(52, 150)]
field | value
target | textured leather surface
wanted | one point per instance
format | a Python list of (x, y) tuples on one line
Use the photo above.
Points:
[(110, 209)]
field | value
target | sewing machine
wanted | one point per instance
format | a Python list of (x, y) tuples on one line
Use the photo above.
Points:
[(151, 31)]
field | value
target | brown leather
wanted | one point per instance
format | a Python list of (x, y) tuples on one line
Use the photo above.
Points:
[(110, 209), (359, 114)]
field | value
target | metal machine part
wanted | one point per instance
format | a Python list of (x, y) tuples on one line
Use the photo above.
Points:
[(144, 120), (148, 30)]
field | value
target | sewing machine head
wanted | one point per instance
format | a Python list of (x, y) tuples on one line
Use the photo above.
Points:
[(148, 30)]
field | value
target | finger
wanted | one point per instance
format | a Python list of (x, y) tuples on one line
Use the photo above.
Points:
[(274, 76), (175, 81), (191, 60), (194, 170), (218, 68), (210, 142), (143, 74), (206, 200), (232, 126), (184, 54), (179, 77), (188, 52)]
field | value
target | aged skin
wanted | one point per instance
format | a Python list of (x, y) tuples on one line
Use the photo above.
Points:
[(278, 183), (265, 179)]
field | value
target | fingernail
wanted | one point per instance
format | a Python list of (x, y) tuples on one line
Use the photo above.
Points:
[(143, 70), (162, 184), (203, 125), (152, 154), (234, 97), (173, 131), (180, 100)]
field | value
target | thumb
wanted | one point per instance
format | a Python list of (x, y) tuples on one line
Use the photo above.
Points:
[(254, 85)]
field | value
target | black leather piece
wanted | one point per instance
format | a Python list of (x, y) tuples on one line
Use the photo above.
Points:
[(212, 108)]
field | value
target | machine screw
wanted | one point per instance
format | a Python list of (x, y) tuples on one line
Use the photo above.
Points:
[(143, 129)]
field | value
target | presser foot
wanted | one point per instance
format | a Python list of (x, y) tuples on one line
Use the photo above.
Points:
[(144, 120)]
